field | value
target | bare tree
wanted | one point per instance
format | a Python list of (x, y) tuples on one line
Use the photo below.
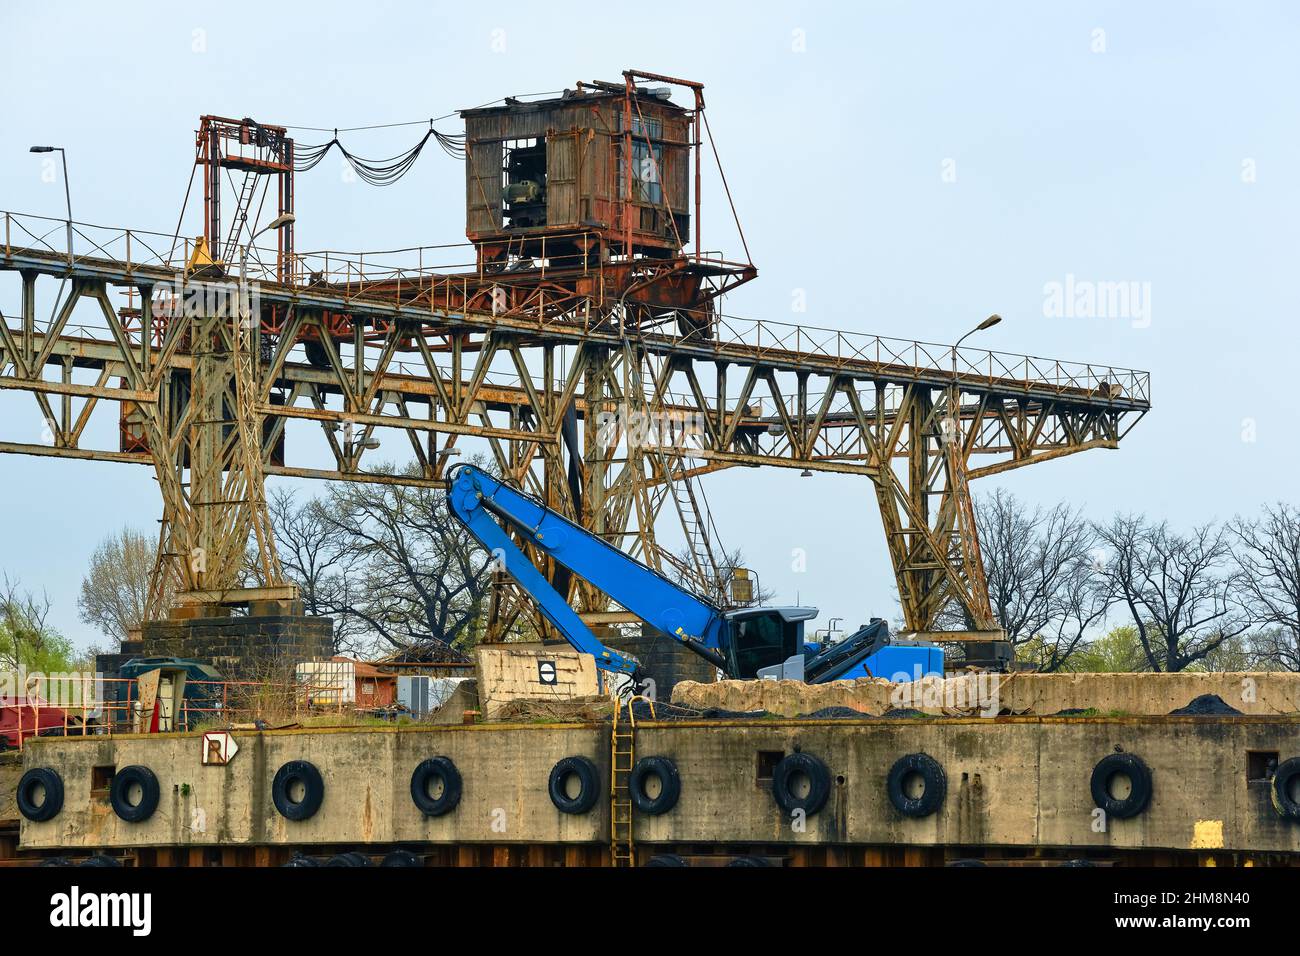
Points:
[(422, 578), (115, 590), (1181, 591), (1268, 554), (388, 562), (1046, 588), (679, 567), (313, 554)]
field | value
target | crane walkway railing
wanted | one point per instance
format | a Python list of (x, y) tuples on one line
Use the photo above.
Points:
[(431, 276)]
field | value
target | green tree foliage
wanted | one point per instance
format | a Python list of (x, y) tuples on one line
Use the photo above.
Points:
[(27, 641), (1117, 651)]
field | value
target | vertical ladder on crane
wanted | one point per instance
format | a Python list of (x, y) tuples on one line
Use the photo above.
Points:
[(239, 221), (622, 756)]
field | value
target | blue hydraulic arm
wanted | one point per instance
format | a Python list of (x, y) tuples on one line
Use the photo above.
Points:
[(486, 506)]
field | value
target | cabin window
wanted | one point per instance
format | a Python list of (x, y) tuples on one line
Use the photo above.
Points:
[(647, 160), (523, 192)]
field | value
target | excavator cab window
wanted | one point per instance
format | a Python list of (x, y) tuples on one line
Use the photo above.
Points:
[(760, 639)]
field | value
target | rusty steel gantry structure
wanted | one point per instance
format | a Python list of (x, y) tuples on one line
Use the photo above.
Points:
[(575, 313)]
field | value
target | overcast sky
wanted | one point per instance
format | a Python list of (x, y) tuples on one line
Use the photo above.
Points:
[(905, 168)]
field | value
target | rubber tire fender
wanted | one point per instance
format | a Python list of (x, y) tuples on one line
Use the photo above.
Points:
[(313, 786), (587, 776), (439, 768), (1139, 775), (666, 859), (401, 858), (819, 779), (149, 793), (930, 771), (671, 790), (1279, 789), (48, 778), (748, 861), (351, 858)]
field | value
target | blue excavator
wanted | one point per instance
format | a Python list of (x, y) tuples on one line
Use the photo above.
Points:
[(746, 642)]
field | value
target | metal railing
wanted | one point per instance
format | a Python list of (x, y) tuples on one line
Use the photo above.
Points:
[(433, 275), (112, 706)]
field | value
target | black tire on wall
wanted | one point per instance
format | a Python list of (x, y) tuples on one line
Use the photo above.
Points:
[(120, 790), (931, 773), (298, 772), (670, 785), (666, 859), (784, 775), (351, 858), (1128, 765), (403, 858), (1280, 789), (588, 785), (47, 779), (441, 770), (748, 861)]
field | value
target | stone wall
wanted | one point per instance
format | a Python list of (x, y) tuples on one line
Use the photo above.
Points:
[(243, 648), (665, 661)]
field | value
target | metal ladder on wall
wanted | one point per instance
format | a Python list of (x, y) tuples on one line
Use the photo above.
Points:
[(622, 757)]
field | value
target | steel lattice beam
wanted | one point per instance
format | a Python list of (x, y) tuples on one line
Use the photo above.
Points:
[(505, 373)]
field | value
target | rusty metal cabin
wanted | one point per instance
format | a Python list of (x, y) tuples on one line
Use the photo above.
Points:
[(549, 179)]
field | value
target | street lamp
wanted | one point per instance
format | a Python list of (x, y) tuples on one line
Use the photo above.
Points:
[(279, 222), (67, 192), (988, 323), (954, 414)]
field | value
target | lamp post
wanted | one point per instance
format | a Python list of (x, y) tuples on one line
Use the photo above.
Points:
[(988, 323), (279, 222), (67, 192), (954, 403)]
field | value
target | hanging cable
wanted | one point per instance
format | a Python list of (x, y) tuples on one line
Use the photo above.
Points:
[(380, 172)]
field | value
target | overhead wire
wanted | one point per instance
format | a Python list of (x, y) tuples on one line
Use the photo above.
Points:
[(384, 172), (380, 172)]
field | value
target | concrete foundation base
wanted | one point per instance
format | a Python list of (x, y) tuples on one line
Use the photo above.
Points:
[(253, 647), (1015, 786)]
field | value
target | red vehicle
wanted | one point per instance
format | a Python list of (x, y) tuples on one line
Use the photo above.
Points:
[(20, 721)]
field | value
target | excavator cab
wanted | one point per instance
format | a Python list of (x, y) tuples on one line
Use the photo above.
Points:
[(757, 638)]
